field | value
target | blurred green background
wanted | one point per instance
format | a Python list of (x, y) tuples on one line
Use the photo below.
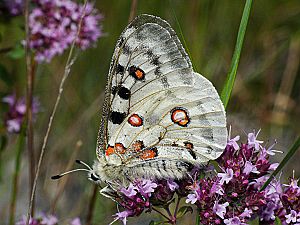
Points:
[(266, 93)]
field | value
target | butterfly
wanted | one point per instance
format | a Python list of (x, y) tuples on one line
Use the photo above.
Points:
[(160, 118)]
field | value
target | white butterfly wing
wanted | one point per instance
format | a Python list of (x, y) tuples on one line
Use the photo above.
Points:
[(148, 42), (155, 99)]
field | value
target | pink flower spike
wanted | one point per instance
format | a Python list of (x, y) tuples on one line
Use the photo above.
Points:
[(253, 142), (226, 177), (220, 209)]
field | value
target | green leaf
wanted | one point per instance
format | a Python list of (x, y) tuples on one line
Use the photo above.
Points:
[(184, 210), (17, 52), (285, 160), (277, 221), (227, 89), (4, 75)]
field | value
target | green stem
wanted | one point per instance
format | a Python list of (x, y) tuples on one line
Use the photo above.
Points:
[(177, 206), (198, 218), (159, 212), (227, 89), (15, 181)]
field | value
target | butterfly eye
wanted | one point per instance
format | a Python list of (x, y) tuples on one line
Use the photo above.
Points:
[(94, 177)]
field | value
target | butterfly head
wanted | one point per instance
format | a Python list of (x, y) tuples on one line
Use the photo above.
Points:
[(94, 173)]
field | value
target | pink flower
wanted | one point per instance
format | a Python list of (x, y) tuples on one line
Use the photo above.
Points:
[(220, 209), (146, 187), (226, 177), (123, 216), (292, 217), (253, 142), (172, 185), (234, 221), (192, 198), (249, 168), (75, 221), (233, 142), (130, 191)]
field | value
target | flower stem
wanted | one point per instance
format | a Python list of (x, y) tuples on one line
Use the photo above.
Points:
[(177, 206), (15, 181), (68, 65), (172, 218), (198, 218), (132, 10), (92, 206), (30, 71)]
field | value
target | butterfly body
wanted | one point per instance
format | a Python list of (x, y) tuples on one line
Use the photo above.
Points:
[(159, 116)]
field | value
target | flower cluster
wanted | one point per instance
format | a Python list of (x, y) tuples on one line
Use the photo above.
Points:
[(228, 193), (46, 220), (54, 26), (232, 196), (17, 110), (12, 7), (142, 194)]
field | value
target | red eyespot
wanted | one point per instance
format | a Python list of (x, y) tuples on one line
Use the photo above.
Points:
[(138, 146), (135, 120), (119, 148), (149, 153), (109, 151), (137, 73), (180, 116)]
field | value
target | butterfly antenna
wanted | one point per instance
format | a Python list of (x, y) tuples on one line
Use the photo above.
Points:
[(68, 172), (83, 163)]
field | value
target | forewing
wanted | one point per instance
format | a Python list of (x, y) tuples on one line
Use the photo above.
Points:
[(148, 60)]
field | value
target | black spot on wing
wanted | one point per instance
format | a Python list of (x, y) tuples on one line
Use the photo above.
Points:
[(117, 117), (155, 61), (157, 72), (120, 69), (126, 50), (150, 54), (124, 93)]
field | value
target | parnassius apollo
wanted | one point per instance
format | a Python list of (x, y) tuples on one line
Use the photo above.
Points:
[(159, 116)]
